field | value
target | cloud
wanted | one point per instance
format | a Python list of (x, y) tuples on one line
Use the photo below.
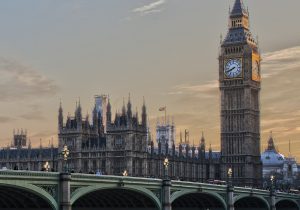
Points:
[(18, 82), (202, 88), (153, 7), (6, 119), (34, 113), (283, 60)]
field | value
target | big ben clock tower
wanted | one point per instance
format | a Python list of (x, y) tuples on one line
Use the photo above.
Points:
[(240, 81)]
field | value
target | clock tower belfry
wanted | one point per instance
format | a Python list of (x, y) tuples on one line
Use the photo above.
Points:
[(239, 82)]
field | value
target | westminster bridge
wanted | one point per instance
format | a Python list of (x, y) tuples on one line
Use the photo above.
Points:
[(59, 191)]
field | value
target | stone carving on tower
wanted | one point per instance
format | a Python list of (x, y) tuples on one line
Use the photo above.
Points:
[(239, 82)]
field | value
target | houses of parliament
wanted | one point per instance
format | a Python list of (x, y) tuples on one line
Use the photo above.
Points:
[(111, 144)]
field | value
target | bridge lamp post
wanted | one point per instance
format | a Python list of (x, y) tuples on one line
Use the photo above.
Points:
[(47, 166), (125, 173), (272, 178), (65, 153), (166, 165), (229, 173)]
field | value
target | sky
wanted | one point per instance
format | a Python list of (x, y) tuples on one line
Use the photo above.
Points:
[(164, 50)]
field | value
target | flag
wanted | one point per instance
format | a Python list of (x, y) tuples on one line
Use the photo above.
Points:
[(161, 109)]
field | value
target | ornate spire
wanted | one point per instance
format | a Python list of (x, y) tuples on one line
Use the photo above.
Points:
[(60, 116), (78, 112), (95, 117), (123, 108), (144, 114), (108, 112), (271, 145), (180, 137), (238, 9), (52, 145), (239, 26), (137, 115), (202, 142), (129, 112), (210, 152), (29, 144)]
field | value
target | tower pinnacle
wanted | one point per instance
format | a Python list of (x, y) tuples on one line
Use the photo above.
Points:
[(238, 9)]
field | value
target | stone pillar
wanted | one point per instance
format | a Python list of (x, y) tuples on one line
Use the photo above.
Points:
[(273, 200), (166, 194), (230, 201), (65, 191)]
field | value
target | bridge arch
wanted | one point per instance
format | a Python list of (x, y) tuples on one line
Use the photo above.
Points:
[(287, 204), (250, 202), (195, 198), (22, 195), (145, 194)]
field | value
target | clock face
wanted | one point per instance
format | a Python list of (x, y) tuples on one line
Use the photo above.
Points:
[(255, 71), (233, 68)]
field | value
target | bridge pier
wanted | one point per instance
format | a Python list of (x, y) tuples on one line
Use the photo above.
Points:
[(65, 190), (166, 194), (230, 203), (273, 200)]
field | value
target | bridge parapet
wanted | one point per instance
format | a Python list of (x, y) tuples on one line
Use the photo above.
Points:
[(61, 192), (28, 174)]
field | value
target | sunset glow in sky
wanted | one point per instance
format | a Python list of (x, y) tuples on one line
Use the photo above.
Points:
[(165, 50)]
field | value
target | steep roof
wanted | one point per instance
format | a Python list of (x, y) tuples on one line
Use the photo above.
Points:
[(238, 9)]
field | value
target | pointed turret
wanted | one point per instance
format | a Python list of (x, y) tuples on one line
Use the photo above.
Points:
[(180, 137), (129, 111), (202, 143), (144, 114), (123, 108), (29, 144), (271, 144), (210, 155), (95, 118), (137, 116), (60, 117), (202, 140), (87, 121), (78, 113), (108, 113), (238, 9)]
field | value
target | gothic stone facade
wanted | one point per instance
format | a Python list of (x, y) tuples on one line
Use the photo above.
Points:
[(125, 146)]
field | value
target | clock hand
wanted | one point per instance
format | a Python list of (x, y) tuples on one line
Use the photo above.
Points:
[(230, 70)]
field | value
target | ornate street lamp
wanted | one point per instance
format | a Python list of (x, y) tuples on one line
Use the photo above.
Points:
[(272, 178), (166, 165), (47, 166), (65, 152), (229, 173), (125, 173)]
